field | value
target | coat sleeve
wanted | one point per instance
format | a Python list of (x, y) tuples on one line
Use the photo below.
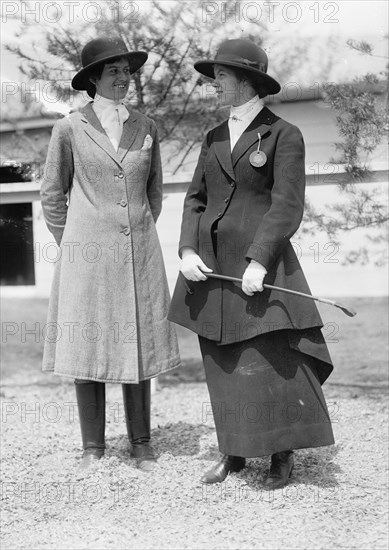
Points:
[(284, 216), (194, 204), (154, 182), (57, 179)]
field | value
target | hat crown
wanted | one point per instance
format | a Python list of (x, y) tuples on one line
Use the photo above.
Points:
[(104, 50), (101, 48), (243, 54), (243, 51)]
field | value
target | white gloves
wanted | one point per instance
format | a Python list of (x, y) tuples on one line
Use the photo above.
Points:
[(191, 262), (253, 278)]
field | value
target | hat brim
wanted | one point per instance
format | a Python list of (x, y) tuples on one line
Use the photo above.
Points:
[(205, 67), (136, 61)]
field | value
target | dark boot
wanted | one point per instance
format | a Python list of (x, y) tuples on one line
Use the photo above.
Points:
[(220, 471), (136, 398), (91, 410), (280, 470)]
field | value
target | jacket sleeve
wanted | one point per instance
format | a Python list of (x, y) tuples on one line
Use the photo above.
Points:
[(154, 182), (284, 216), (57, 179), (194, 204)]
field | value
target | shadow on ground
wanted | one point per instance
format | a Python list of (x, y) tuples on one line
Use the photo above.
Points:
[(191, 371), (314, 469)]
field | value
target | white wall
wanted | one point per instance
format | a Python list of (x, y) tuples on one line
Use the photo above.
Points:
[(321, 261)]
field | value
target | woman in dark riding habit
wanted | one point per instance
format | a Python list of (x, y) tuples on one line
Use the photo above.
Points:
[(264, 354)]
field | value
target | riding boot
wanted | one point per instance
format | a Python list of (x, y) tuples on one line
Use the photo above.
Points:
[(220, 471), (280, 470), (137, 398), (91, 410)]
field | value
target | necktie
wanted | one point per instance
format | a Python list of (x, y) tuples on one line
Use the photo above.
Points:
[(112, 120)]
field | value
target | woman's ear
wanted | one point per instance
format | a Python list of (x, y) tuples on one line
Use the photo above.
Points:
[(244, 83), (93, 80)]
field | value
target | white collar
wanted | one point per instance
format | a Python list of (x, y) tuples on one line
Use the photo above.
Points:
[(100, 103), (243, 111)]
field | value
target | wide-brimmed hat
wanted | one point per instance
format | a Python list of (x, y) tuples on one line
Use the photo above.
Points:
[(241, 54), (101, 50)]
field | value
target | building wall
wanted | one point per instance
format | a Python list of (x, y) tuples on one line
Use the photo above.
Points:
[(317, 123), (322, 260)]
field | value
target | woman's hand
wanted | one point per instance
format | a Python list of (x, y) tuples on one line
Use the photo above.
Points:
[(253, 278), (191, 265)]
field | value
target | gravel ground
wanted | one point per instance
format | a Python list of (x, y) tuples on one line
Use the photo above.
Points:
[(337, 497)]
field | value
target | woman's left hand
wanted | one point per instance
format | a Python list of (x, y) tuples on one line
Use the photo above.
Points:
[(253, 278)]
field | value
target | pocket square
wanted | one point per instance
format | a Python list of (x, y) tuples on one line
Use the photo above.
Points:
[(148, 142)]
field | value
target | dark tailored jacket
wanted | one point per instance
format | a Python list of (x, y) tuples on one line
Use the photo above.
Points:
[(255, 212)]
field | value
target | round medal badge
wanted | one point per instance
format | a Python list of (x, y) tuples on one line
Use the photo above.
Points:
[(258, 159)]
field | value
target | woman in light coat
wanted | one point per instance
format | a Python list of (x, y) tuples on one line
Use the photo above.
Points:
[(101, 196), (264, 355)]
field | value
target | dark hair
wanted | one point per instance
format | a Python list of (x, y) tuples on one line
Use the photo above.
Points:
[(97, 71), (242, 74)]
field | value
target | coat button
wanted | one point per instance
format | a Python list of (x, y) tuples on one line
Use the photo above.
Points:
[(121, 175), (226, 199), (123, 203), (219, 214), (126, 231)]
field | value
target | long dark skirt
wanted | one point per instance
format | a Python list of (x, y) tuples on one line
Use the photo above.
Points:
[(265, 397)]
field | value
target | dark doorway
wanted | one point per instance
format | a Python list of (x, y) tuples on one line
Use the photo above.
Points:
[(16, 245)]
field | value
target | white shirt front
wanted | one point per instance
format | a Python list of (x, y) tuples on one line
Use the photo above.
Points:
[(112, 115), (241, 117)]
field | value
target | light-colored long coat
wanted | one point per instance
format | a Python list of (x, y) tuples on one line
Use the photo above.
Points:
[(107, 317)]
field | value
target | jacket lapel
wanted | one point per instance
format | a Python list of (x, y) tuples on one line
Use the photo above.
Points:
[(96, 132), (221, 143), (260, 124), (130, 131)]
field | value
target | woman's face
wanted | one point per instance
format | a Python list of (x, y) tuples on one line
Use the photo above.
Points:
[(114, 81), (230, 89)]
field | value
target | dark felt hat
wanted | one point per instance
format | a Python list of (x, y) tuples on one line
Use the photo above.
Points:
[(101, 50), (241, 54)]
